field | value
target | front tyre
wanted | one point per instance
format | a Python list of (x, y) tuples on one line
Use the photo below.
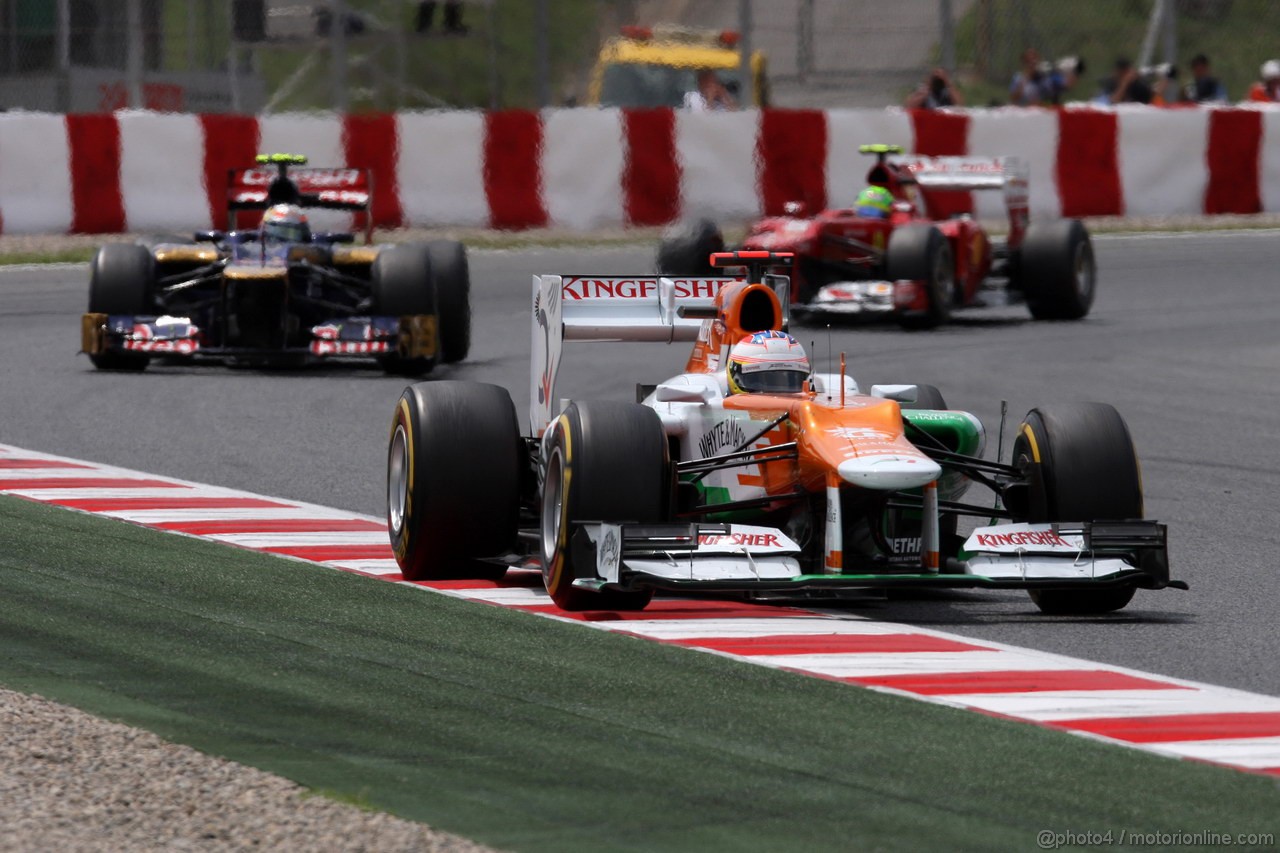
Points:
[(402, 284), (606, 461), (453, 479), (1082, 467), (687, 249), (122, 281), (453, 298), (923, 253), (1056, 270)]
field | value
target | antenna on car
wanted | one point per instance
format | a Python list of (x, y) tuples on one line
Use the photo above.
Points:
[(842, 380), (813, 348), (831, 360), (1004, 410)]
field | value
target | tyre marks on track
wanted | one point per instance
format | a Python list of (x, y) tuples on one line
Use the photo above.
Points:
[(1171, 717)]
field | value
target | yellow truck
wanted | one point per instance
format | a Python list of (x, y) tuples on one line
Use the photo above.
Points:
[(656, 67)]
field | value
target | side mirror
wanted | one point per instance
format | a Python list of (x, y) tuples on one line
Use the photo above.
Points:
[(683, 394), (209, 236), (899, 393)]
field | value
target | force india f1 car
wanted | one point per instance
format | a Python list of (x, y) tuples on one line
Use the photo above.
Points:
[(249, 298), (829, 491), (916, 264)]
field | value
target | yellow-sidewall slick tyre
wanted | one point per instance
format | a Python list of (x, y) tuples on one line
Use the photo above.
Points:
[(606, 461), (454, 463), (1082, 467)]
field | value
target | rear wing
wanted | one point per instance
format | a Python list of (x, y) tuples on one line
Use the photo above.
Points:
[(609, 308), (332, 189), (1009, 174)]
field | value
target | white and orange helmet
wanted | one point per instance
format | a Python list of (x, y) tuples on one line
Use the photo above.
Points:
[(767, 363), (285, 223)]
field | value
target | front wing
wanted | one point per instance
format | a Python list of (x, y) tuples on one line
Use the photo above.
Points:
[(743, 558), (412, 336)]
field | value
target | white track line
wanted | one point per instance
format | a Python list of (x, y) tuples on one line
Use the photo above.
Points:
[(1197, 721)]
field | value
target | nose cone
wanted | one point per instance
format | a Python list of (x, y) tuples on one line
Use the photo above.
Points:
[(889, 471)]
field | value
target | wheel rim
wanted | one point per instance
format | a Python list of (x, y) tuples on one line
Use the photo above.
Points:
[(1083, 269), (398, 479), (552, 507)]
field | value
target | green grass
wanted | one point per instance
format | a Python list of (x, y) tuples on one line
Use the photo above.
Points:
[(530, 734), (1237, 41)]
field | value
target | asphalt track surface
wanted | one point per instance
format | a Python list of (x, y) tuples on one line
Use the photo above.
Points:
[(1184, 339)]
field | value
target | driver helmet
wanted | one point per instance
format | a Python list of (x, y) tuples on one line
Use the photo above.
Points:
[(767, 363), (875, 202), (285, 223)]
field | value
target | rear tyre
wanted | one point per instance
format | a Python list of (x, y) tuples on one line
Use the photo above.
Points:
[(453, 479), (1082, 467), (922, 253), (402, 283), (453, 298), (122, 281), (1056, 270), (606, 461), (687, 249)]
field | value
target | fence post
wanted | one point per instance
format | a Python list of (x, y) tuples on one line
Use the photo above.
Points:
[(804, 41), (748, 97), (338, 53), (1171, 33), (495, 71), (133, 53), (947, 35), (544, 55)]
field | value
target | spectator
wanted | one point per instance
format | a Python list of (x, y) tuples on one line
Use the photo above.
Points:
[(1203, 88), (1268, 88), (711, 94), (452, 17), (1035, 83), (936, 91), (1126, 86)]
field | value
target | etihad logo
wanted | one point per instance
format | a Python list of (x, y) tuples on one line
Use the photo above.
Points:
[(638, 288)]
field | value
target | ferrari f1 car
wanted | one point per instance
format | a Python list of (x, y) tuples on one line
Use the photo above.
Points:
[(916, 264), (826, 491), (262, 297)]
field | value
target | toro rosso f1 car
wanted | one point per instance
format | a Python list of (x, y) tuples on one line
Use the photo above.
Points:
[(826, 490), (280, 295), (912, 261)]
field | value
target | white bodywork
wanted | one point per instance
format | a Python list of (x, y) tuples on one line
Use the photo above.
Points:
[(691, 408)]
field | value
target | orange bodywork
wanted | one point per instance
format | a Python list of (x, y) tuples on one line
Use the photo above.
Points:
[(828, 430)]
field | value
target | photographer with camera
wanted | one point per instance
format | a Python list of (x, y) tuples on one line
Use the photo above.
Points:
[(1125, 86), (936, 91), (1040, 83), (1203, 88), (1034, 84)]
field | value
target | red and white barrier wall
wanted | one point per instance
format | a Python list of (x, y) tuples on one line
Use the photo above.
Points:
[(146, 171)]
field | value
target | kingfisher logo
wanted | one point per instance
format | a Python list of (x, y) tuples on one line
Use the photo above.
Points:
[(1026, 537), (754, 540), (638, 288)]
